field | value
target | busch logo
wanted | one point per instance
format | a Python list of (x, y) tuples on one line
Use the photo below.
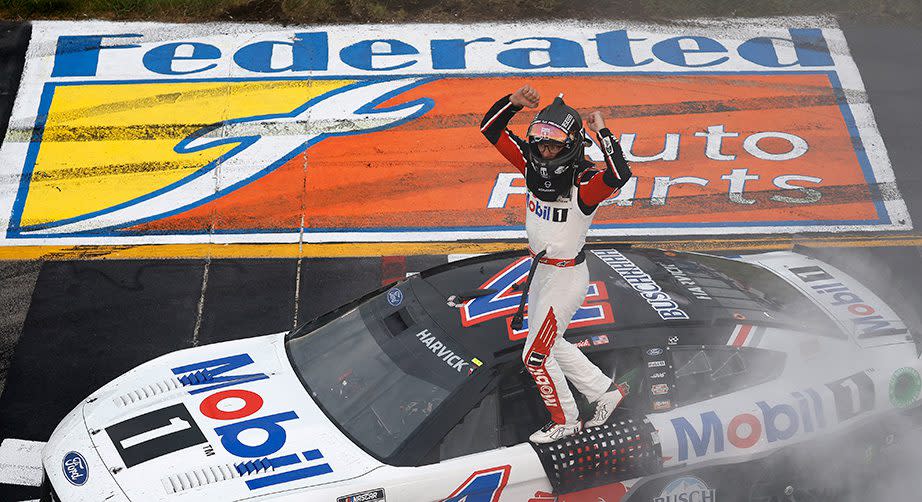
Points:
[(640, 281), (687, 489)]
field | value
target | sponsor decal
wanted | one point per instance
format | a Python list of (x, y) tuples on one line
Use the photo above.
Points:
[(687, 489), (438, 348), (686, 281), (662, 405), (482, 486), (395, 297), (655, 351), (746, 335), (155, 434), (535, 359), (659, 389), (673, 340), (271, 462), (585, 342), (75, 468), (659, 375), (504, 303), (545, 211), (534, 363), (640, 281), (865, 319), (545, 386), (656, 364), (252, 102), (600, 340), (611, 492), (905, 385), (376, 495), (804, 414)]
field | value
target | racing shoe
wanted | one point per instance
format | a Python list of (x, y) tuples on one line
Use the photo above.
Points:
[(553, 432), (606, 405)]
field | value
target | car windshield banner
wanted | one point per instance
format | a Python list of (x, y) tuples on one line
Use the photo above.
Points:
[(147, 133)]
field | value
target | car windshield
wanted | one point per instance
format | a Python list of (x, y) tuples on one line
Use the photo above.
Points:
[(379, 370)]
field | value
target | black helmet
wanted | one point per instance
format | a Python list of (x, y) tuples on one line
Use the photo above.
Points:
[(560, 124)]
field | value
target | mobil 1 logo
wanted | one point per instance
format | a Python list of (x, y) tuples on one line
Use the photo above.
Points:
[(155, 434)]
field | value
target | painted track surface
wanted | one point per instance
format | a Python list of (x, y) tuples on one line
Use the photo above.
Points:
[(63, 317)]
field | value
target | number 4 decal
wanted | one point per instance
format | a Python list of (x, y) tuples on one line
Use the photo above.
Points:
[(482, 486), (155, 434)]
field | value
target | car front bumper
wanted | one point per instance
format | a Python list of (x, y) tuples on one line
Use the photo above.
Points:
[(97, 485)]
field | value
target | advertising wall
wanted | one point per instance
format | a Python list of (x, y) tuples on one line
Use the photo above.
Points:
[(151, 133)]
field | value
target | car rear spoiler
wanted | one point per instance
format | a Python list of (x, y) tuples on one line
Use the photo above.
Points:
[(814, 253)]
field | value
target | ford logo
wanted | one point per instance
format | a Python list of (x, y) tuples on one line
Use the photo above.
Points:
[(75, 469), (654, 351), (395, 297)]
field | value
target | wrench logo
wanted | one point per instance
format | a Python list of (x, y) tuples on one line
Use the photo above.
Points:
[(353, 109)]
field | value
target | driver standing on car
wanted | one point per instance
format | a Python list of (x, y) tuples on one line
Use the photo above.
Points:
[(564, 191)]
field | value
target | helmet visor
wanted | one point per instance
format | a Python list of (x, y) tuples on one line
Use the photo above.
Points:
[(542, 131)]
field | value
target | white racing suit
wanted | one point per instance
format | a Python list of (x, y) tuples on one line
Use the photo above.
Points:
[(555, 294), (560, 280)]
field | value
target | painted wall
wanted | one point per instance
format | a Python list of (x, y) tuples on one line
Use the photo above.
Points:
[(150, 133)]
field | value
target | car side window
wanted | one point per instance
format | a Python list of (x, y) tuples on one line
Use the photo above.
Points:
[(703, 372), (477, 432)]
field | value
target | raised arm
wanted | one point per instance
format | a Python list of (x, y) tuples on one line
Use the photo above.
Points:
[(595, 186), (494, 123)]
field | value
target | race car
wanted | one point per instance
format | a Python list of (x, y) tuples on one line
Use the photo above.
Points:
[(739, 371)]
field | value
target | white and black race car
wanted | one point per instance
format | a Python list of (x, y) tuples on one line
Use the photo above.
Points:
[(738, 369)]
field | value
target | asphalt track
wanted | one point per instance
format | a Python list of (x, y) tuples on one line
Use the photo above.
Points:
[(69, 325)]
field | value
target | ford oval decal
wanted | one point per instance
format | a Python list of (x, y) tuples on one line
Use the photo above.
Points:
[(75, 468), (654, 351), (395, 297)]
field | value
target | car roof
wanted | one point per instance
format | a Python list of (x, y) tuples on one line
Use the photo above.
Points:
[(679, 298)]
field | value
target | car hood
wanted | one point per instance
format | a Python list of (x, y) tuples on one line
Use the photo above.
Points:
[(227, 421)]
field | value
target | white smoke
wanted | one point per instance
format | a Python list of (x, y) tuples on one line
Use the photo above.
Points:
[(866, 471)]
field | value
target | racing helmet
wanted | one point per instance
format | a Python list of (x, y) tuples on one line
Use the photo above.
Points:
[(561, 125)]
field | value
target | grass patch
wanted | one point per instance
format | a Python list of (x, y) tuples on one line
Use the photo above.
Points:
[(401, 11)]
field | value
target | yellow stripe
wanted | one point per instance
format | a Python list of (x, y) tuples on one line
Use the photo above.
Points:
[(167, 251)]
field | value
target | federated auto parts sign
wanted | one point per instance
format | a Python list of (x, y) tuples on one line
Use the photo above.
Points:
[(158, 133)]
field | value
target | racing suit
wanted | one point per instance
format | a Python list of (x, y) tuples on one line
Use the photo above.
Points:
[(561, 278)]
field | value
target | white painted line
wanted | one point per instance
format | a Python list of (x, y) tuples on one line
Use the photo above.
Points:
[(201, 304), (458, 257), (21, 462)]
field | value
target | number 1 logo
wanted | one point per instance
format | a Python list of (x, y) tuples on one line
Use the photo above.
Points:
[(155, 434)]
